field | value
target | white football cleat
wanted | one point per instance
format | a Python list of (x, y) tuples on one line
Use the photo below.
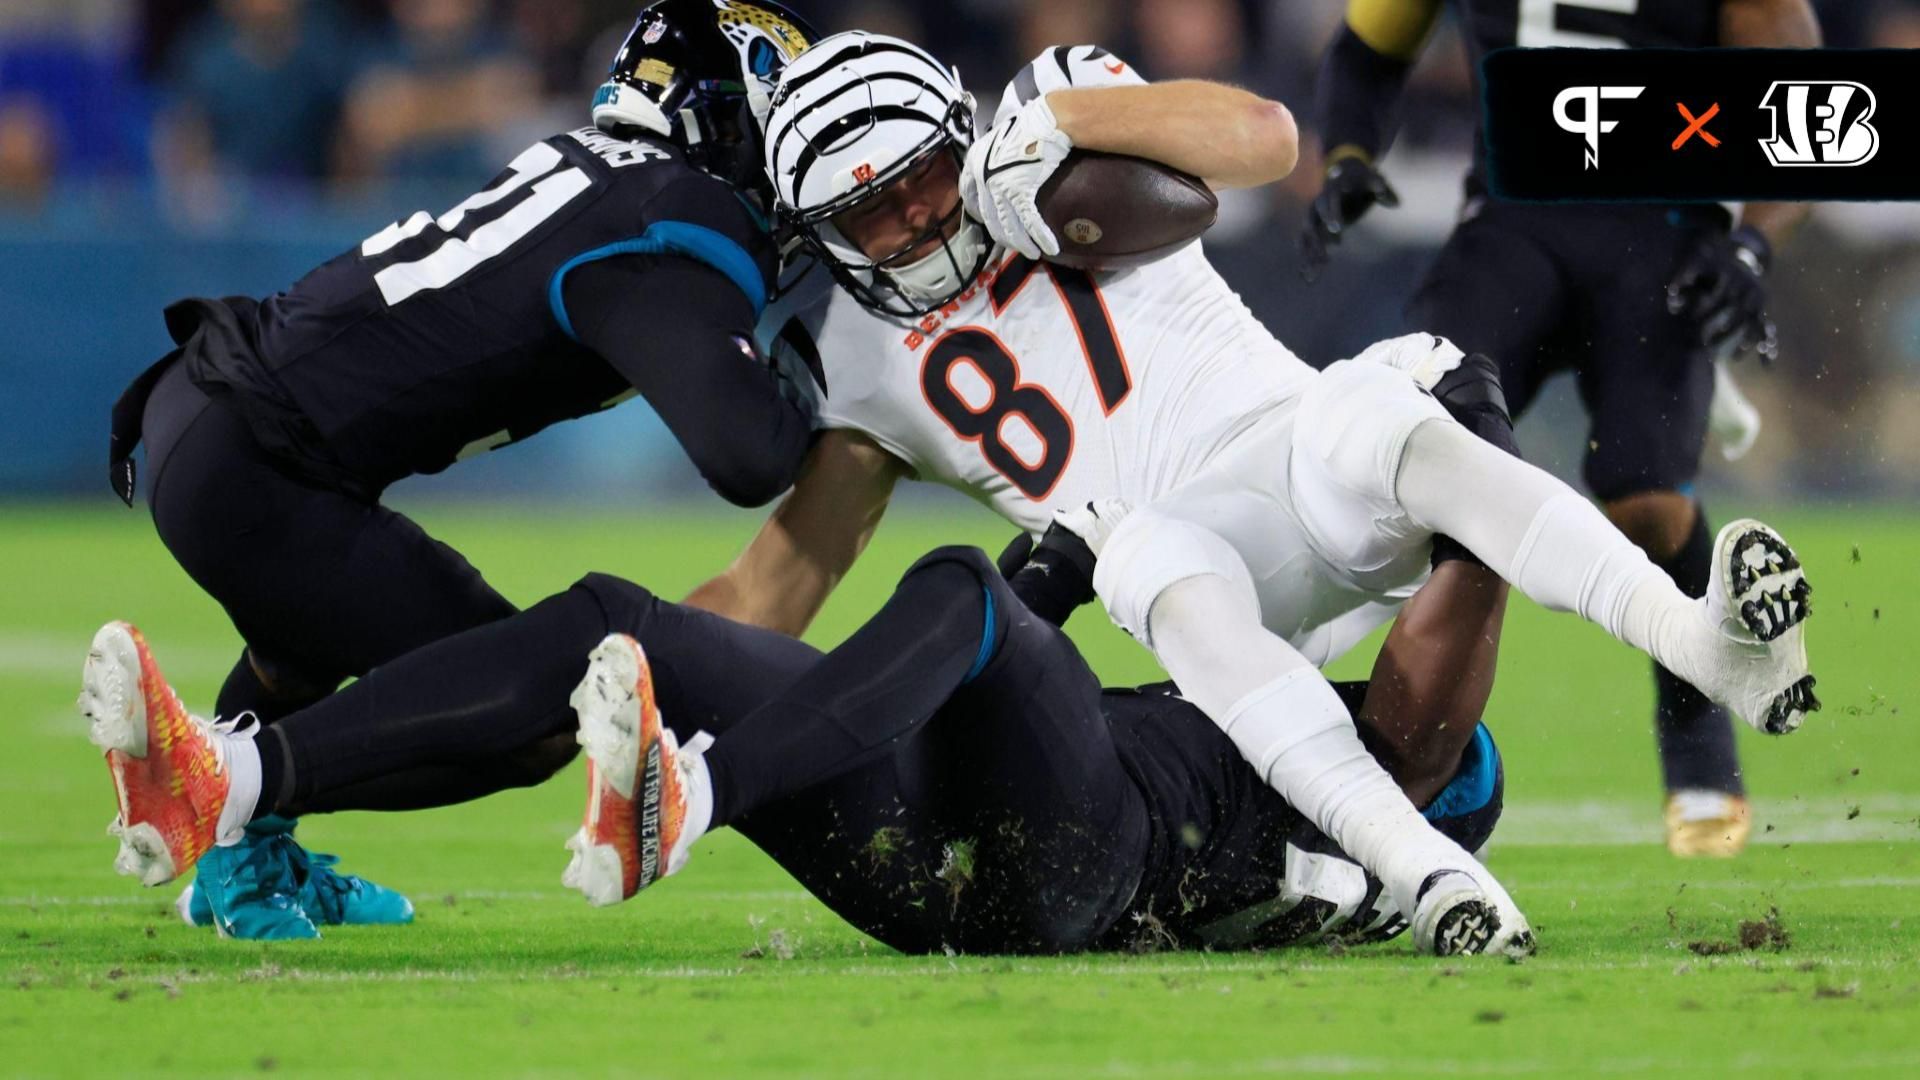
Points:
[(1758, 604), (1465, 913)]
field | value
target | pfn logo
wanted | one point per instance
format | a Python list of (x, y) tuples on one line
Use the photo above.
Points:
[(1588, 124), (1825, 123)]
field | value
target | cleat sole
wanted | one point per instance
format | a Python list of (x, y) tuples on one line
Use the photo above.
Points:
[(1790, 708), (610, 713), (1466, 929), (594, 871), (110, 696), (1767, 584), (143, 854)]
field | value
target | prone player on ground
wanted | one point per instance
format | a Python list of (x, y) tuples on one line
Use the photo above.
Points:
[(1279, 513), (952, 776), (619, 259), (1639, 301)]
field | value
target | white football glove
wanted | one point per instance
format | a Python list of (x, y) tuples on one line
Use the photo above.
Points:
[(1003, 174), (1095, 522)]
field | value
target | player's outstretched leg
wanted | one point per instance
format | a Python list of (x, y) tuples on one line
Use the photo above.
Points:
[(1742, 645), (185, 787), (648, 798), (1186, 593)]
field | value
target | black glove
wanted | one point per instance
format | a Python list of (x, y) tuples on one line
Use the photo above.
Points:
[(1352, 186), (1719, 287), (1471, 394), (1014, 555), (1053, 577)]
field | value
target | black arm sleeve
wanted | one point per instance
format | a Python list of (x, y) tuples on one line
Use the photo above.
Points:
[(682, 333), (1357, 96)]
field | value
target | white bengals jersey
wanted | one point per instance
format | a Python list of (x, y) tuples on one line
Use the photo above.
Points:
[(1043, 387)]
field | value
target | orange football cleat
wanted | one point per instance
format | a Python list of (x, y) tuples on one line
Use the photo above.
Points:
[(636, 829), (167, 765)]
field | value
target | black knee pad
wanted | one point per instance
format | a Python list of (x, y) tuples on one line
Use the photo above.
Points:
[(971, 558), (627, 606), (1003, 613)]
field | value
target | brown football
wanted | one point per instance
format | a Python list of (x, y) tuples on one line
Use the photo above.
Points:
[(1112, 211)]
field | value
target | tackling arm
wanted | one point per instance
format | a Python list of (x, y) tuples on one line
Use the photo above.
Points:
[(1229, 137), (810, 541), (682, 333), (1432, 679)]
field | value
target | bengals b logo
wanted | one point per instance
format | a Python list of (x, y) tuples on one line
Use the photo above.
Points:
[(1820, 124)]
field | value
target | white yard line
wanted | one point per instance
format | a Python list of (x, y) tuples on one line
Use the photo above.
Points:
[(1880, 817), (1269, 965), (39, 654)]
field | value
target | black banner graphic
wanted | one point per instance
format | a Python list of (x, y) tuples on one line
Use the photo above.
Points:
[(1703, 124)]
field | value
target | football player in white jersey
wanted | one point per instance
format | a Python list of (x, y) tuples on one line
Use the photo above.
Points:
[(1281, 512)]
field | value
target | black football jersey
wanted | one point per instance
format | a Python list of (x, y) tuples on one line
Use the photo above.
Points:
[(1487, 25), (441, 336)]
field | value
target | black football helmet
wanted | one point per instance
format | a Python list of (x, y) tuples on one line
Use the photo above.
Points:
[(701, 73)]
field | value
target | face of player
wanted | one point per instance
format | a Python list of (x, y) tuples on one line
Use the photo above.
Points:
[(906, 220)]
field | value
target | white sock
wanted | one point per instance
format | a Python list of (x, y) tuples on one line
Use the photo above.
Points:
[(698, 784), (1287, 721), (241, 756), (1296, 732), (1552, 544)]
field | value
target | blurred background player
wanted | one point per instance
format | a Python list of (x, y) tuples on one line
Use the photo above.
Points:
[(629, 258), (1638, 301)]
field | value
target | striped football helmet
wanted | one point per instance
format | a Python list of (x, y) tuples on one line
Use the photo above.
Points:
[(854, 114)]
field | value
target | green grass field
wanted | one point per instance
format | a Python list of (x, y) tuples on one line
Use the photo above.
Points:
[(730, 970)]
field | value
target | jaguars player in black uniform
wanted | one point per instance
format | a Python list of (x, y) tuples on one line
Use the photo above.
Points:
[(627, 257), (951, 777), (1638, 301)]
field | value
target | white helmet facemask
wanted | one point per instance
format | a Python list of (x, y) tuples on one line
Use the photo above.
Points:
[(854, 115)]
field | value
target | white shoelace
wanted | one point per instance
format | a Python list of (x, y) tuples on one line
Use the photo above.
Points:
[(217, 732)]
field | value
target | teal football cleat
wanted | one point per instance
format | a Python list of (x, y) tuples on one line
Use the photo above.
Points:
[(252, 890), (328, 897), (334, 899)]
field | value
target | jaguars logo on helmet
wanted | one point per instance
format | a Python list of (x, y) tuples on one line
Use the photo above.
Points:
[(700, 73)]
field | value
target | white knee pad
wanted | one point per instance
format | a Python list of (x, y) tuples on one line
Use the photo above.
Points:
[(1150, 552)]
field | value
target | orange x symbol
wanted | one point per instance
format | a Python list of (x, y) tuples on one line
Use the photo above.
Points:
[(1697, 125)]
